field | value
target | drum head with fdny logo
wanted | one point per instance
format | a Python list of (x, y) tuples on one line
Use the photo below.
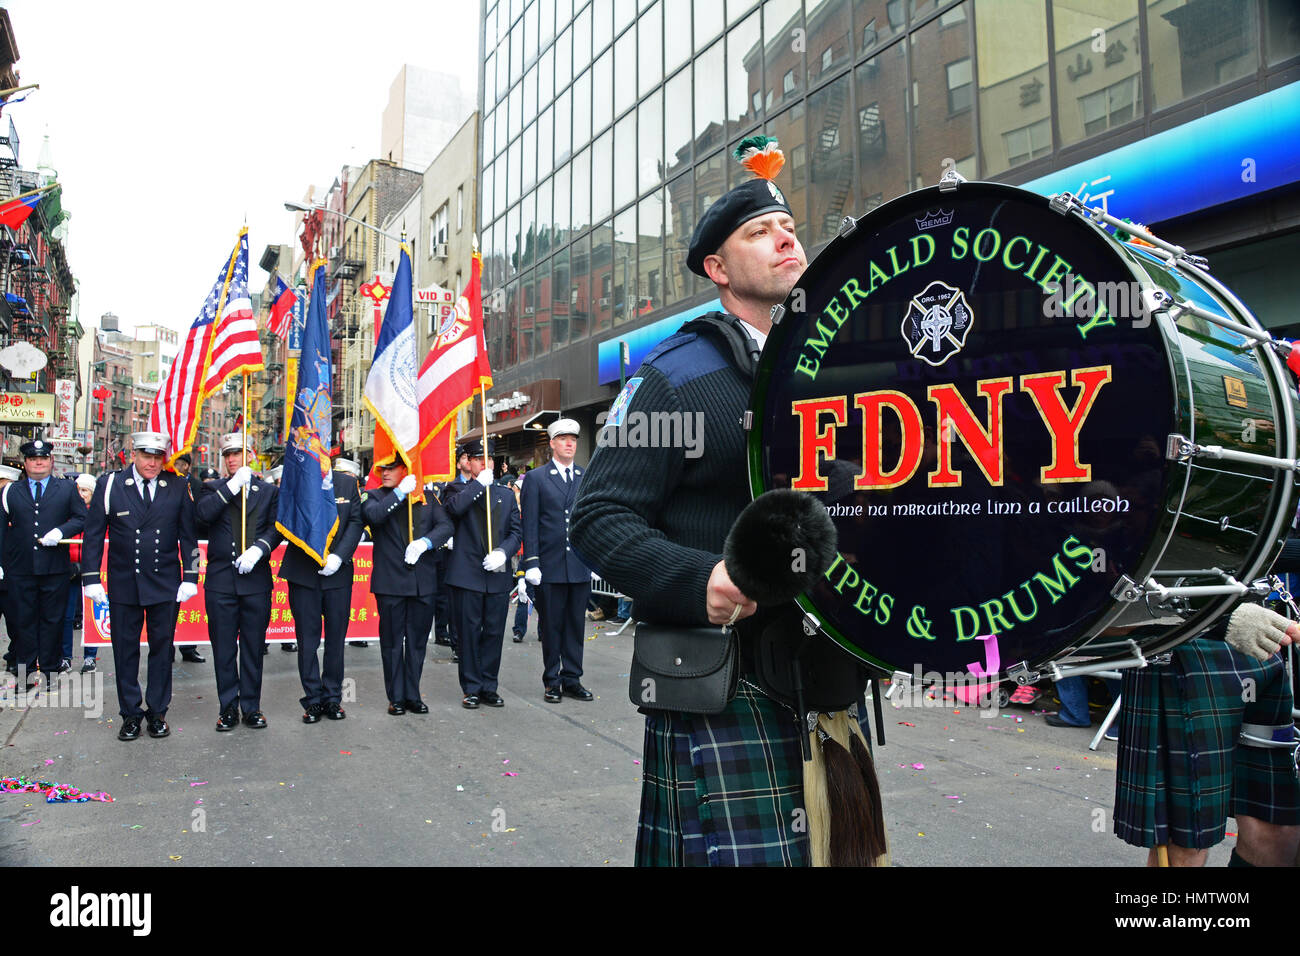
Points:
[(955, 382)]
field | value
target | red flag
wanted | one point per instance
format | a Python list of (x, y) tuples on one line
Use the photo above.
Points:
[(15, 212), (456, 367)]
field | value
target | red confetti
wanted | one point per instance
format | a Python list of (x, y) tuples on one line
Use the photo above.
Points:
[(347, 753), (906, 723)]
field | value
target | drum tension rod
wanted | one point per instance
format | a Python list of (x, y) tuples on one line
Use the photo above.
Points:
[(1179, 448), (1138, 659), (1158, 300), (1130, 592), (1068, 202)]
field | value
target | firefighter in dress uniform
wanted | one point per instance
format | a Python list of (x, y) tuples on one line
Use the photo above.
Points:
[(39, 511), (240, 515), (147, 515), (321, 596)]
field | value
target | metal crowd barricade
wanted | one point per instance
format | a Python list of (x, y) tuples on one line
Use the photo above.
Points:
[(605, 589)]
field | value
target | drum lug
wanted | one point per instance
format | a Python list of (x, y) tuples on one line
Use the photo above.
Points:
[(848, 225), (1127, 590), (810, 625), (778, 313), (950, 180), (748, 421), (1178, 448), (1063, 203), (1021, 674), (900, 682)]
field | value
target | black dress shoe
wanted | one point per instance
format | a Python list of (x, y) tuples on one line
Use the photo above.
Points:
[(227, 721), (255, 720), (158, 727), (192, 655), (443, 641), (578, 691), (396, 710), (312, 714), (334, 712), (360, 643), (1053, 720), (491, 698), (288, 647), (519, 638), (469, 702), (553, 695), (417, 707), (130, 729)]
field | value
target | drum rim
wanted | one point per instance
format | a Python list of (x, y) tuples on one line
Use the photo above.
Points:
[(1164, 530)]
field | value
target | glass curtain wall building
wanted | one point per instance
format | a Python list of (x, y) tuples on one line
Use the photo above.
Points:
[(608, 126)]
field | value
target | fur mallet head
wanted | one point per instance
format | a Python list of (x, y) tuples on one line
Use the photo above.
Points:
[(779, 546)]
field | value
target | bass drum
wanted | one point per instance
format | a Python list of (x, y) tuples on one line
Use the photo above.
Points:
[(970, 381)]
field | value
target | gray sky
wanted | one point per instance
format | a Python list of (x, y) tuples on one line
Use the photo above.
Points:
[(172, 123)]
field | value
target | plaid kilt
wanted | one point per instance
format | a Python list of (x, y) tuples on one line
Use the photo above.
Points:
[(1181, 772), (722, 789)]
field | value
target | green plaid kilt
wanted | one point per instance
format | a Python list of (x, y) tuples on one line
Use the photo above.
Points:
[(1181, 772), (723, 789)]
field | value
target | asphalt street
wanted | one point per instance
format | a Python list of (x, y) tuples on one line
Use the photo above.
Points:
[(532, 784)]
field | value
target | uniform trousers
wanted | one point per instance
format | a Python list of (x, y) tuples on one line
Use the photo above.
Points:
[(481, 628), (237, 630), (562, 608), (404, 624), (312, 609), (444, 618), (127, 621), (35, 618)]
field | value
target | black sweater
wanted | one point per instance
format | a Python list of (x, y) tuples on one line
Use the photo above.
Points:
[(659, 497)]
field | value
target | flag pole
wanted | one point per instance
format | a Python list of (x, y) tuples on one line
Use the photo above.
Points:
[(488, 496), (243, 501)]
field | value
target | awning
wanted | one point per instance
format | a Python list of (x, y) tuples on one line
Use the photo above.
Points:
[(536, 421), (542, 406)]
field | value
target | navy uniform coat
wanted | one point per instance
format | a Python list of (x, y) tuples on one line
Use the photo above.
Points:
[(385, 514), (546, 500), (25, 522), (301, 569), (468, 510), (152, 549), (223, 514)]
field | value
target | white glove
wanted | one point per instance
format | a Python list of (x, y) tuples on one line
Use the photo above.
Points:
[(1256, 631), (406, 485), (521, 592), (495, 561), (242, 478), (52, 537), (96, 593), (448, 544), (533, 576), (415, 549), (2, 574), (185, 592), (248, 559), (332, 563), (485, 478)]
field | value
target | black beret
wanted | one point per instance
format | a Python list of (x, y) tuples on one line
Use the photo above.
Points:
[(749, 200)]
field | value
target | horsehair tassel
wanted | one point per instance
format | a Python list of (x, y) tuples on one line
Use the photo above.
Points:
[(856, 821), (879, 845), (816, 804)]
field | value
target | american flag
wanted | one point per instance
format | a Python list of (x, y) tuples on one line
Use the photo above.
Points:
[(235, 346), (221, 342)]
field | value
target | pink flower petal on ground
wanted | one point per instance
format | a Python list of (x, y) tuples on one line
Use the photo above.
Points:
[(918, 766)]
